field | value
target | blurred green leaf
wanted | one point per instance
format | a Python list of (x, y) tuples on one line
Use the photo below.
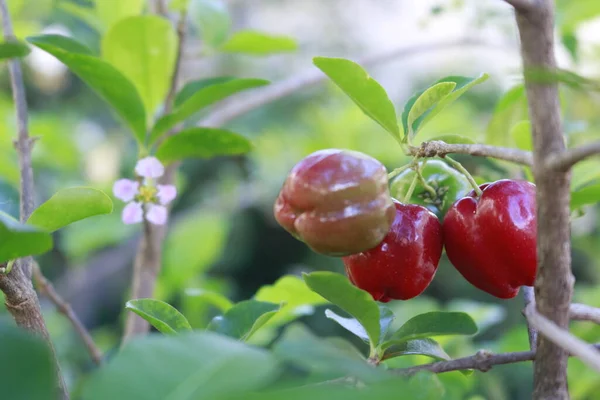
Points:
[(300, 347), (243, 319), (212, 298), (213, 20), (365, 91), (164, 317), (569, 40), (585, 195), (453, 139), (86, 14), (192, 87), (195, 365), (203, 97), (111, 12), (435, 323), (26, 366), (144, 49), (337, 289), (296, 299), (424, 103), (521, 133), (510, 108), (13, 49), (485, 315), (424, 347), (202, 143), (70, 205), (428, 386), (571, 14), (18, 240), (179, 5), (60, 42), (258, 43), (106, 80)]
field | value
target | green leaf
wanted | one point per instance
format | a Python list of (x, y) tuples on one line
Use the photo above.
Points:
[(70, 205), (300, 347), (258, 43), (106, 80), (485, 315), (144, 49), (213, 20), (202, 143), (435, 323), (569, 40), (13, 49), (337, 289), (194, 365), (297, 299), (18, 240), (585, 195), (213, 298), (521, 133), (424, 347), (204, 97), (26, 366), (365, 91), (511, 108), (192, 87), (86, 14), (424, 103), (350, 324), (160, 315), (179, 5), (243, 319), (61, 42), (453, 139), (386, 317), (111, 12)]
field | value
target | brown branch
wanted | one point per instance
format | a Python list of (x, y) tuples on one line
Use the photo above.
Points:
[(440, 149), (46, 288), (20, 298), (482, 361), (529, 298), (259, 97), (565, 160), (561, 337), (554, 281), (583, 312), (521, 5)]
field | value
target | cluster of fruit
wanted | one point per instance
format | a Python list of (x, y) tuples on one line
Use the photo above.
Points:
[(340, 204)]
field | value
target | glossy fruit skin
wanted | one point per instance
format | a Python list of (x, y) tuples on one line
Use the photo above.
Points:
[(491, 240), (337, 202), (403, 265), (449, 184)]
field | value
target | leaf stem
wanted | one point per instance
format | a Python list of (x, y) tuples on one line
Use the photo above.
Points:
[(426, 185), (466, 173), (411, 189)]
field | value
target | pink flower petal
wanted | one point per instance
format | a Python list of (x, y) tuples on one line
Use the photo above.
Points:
[(132, 213), (156, 214), (166, 193), (125, 189), (149, 167)]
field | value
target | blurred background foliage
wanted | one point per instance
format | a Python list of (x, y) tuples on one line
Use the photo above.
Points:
[(223, 237)]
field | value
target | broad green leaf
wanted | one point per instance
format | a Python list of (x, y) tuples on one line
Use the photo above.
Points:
[(106, 80), (213, 20), (85, 14), (350, 324), (428, 385), (26, 366), (453, 139), (160, 315), (585, 195), (243, 319), (337, 289), (571, 43), (144, 49), (435, 323), (202, 143), (424, 103), (111, 12), (300, 347), (18, 240), (192, 87), (485, 315), (203, 97), (521, 133), (386, 317), (70, 205), (213, 298), (13, 49), (61, 42), (511, 108), (258, 43), (365, 91), (297, 299), (424, 347), (194, 365)]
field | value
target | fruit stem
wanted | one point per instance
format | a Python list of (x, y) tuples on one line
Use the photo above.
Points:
[(411, 189), (425, 185), (398, 171), (466, 173)]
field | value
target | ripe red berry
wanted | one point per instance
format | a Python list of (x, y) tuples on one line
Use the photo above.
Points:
[(337, 202), (404, 263), (491, 239)]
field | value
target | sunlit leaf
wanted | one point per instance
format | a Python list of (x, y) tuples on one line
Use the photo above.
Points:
[(243, 319), (258, 43), (212, 298), (111, 12), (160, 315)]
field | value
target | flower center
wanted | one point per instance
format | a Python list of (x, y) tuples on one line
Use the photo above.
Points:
[(147, 194)]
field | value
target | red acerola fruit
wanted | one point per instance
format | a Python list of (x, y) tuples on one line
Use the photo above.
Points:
[(337, 202), (404, 263), (491, 239)]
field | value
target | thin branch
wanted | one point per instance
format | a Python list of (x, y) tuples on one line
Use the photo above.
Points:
[(561, 337), (521, 5), (583, 312), (565, 160), (482, 361), (440, 149), (181, 26), (529, 298), (230, 111), (46, 288)]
